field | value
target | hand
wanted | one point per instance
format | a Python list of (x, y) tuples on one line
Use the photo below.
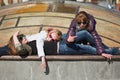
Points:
[(15, 38), (108, 56), (43, 64), (49, 39), (17, 33), (71, 38)]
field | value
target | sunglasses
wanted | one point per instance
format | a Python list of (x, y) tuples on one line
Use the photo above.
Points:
[(84, 23), (51, 37), (21, 36)]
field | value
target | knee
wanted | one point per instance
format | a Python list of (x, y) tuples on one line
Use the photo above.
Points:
[(83, 32), (86, 33)]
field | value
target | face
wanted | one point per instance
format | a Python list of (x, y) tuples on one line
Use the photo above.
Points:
[(82, 24), (81, 21), (53, 36), (24, 40)]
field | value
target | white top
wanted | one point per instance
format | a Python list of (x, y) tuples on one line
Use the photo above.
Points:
[(40, 38)]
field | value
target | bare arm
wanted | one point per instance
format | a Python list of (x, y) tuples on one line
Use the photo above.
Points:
[(43, 63), (15, 39)]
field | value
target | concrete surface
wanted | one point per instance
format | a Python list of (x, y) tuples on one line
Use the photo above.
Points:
[(60, 67), (60, 70)]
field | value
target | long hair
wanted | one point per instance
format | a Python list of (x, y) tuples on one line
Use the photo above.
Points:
[(23, 51), (12, 50)]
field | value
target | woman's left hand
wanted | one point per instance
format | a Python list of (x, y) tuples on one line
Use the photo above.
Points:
[(108, 56), (16, 34)]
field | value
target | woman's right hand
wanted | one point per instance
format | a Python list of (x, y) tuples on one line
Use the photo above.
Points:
[(71, 38)]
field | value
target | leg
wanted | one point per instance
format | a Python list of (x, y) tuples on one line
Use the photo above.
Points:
[(115, 51), (4, 50), (75, 49), (84, 37), (105, 46), (79, 49)]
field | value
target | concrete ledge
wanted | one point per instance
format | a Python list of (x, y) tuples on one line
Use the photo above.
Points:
[(60, 67), (62, 58)]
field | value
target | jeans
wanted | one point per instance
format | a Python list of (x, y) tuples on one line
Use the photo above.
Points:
[(4, 50), (83, 37), (76, 49)]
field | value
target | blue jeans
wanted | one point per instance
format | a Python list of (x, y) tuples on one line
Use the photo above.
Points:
[(4, 50), (83, 37), (76, 49)]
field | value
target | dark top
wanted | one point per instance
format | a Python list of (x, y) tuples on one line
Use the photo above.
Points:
[(32, 44), (91, 30), (50, 48), (4, 50)]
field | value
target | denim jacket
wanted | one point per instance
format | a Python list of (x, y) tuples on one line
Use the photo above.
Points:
[(91, 30)]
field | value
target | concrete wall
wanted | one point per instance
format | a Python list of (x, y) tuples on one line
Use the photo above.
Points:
[(59, 70)]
